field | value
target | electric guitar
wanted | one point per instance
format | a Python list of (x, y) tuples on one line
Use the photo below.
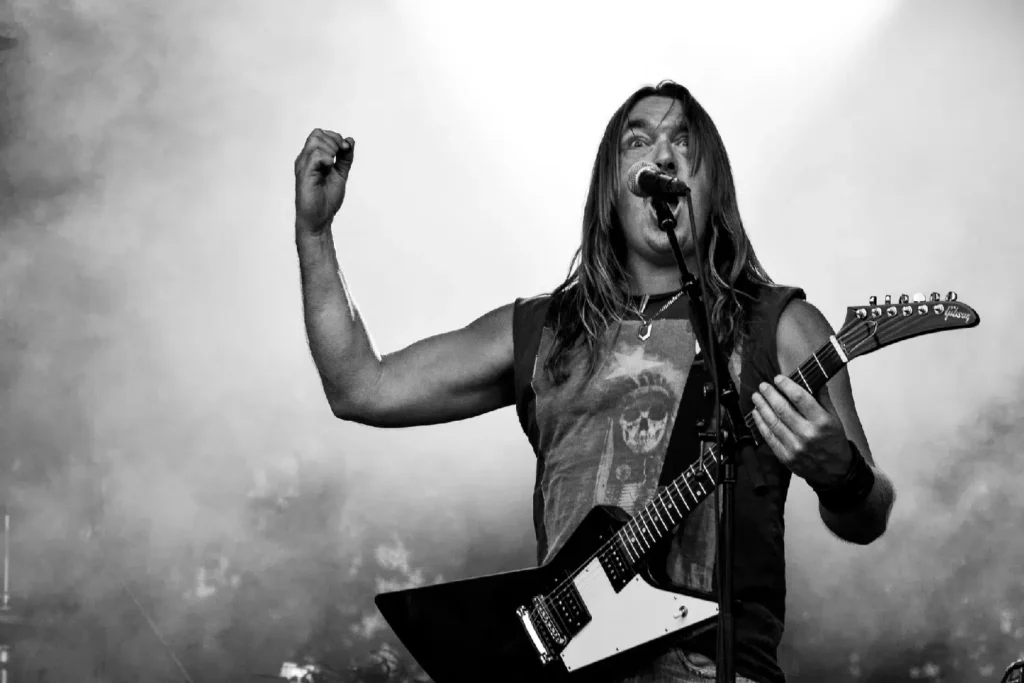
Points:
[(596, 598)]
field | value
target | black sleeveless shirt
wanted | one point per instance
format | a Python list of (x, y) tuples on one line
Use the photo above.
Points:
[(601, 440)]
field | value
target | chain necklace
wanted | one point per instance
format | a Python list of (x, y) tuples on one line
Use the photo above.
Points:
[(645, 327)]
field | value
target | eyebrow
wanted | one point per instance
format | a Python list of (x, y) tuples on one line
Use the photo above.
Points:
[(642, 124), (647, 126)]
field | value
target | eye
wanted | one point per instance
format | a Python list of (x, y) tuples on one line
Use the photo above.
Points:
[(635, 142)]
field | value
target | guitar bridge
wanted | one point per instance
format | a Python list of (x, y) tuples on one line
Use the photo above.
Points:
[(543, 652)]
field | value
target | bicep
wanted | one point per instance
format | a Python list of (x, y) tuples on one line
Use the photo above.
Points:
[(802, 330), (447, 377)]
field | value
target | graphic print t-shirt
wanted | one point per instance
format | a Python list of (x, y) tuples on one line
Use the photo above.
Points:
[(602, 440)]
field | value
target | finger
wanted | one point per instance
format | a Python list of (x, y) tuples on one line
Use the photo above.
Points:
[(783, 408), (328, 148), (799, 397), (320, 135), (765, 410), (318, 144), (317, 161), (335, 137), (769, 438), (317, 139), (346, 154)]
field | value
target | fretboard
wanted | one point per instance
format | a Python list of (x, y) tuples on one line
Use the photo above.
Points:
[(685, 492)]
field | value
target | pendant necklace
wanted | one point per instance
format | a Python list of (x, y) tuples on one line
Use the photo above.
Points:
[(645, 323)]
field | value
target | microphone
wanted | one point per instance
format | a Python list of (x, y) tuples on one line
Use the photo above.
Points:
[(646, 180)]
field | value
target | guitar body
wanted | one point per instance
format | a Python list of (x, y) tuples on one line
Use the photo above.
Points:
[(469, 630)]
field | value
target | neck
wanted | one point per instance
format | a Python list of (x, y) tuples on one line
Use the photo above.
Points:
[(647, 278)]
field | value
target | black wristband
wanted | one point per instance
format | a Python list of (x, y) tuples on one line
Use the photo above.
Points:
[(848, 494)]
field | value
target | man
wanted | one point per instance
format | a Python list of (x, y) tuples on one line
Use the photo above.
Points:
[(597, 370)]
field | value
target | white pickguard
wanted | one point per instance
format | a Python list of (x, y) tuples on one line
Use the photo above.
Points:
[(637, 614)]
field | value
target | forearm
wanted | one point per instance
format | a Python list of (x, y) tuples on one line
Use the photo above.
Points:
[(867, 521), (338, 340)]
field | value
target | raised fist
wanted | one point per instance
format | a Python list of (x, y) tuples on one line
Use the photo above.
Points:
[(321, 172)]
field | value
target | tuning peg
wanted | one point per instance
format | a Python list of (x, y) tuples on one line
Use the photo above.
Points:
[(951, 296), (918, 297), (935, 296), (888, 299), (904, 299), (872, 301)]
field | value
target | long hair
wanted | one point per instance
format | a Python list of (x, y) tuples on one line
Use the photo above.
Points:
[(595, 294)]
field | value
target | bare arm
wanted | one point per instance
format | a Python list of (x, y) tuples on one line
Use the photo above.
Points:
[(801, 330), (443, 378)]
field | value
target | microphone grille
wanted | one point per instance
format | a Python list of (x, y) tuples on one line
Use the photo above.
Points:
[(633, 177)]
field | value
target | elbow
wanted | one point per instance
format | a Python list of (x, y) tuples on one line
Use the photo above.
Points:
[(341, 409), (351, 404), (346, 409), (360, 412)]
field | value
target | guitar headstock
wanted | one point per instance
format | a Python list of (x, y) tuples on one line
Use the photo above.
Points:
[(871, 327)]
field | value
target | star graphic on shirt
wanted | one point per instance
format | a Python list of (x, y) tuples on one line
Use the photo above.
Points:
[(632, 364)]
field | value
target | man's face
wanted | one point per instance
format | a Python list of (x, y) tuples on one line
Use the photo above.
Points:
[(656, 132)]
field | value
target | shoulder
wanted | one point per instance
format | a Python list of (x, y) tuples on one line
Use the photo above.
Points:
[(801, 330), (533, 303)]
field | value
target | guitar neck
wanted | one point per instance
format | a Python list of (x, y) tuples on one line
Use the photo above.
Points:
[(679, 498)]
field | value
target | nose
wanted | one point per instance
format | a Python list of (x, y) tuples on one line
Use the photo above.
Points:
[(665, 157)]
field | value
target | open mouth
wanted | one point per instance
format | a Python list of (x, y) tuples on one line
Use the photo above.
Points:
[(673, 205)]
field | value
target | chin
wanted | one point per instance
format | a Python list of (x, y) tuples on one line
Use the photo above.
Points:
[(657, 239)]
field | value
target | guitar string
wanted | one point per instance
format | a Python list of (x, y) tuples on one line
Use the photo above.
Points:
[(693, 472), (809, 366)]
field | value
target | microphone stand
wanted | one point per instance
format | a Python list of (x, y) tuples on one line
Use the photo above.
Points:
[(730, 435)]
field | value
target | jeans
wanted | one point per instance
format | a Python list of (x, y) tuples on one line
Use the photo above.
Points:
[(677, 666), (666, 665)]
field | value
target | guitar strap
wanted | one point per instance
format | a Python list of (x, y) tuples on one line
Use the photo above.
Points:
[(694, 411), (696, 408)]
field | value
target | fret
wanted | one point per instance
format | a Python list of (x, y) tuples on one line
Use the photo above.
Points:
[(658, 512), (682, 498), (636, 538), (692, 494), (641, 524), (635, 546), (822, 367), (625, 547), (673, 514), (654, 522), (813, 379), (636, 541), (806, 385), (643, 528), (673, 501)]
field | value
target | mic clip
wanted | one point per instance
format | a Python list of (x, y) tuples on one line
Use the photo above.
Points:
[(666, 218)]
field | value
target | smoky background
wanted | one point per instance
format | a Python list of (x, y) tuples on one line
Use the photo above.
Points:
[(182, 502)]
